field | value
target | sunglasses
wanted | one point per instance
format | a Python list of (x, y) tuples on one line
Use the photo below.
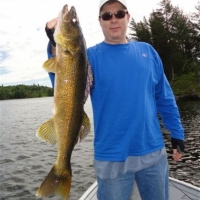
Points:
[(118, 14)]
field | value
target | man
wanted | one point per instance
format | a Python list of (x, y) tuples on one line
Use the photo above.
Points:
[(129, 90)]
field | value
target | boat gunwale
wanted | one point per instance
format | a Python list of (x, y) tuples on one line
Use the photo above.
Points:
[(91, 191)]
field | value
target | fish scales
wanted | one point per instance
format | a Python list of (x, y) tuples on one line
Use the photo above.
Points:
[(69, 123)]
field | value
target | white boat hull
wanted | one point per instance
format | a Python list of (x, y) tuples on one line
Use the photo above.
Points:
[(179, 190)]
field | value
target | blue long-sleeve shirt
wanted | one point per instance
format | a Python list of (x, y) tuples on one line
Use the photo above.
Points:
[(129, 90)]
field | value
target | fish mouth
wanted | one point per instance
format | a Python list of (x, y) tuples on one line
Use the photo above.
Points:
[(73, 15), (65, 10), (69, 15)]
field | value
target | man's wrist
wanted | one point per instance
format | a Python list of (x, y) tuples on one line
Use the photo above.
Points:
[(50, 33), (178, 144)]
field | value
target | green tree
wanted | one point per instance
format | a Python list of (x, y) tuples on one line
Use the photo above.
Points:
[(24, 91), (171, 33), (195, 20), (141, 31)]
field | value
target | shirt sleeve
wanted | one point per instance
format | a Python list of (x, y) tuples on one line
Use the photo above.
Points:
[(50, 55), (166, 105)]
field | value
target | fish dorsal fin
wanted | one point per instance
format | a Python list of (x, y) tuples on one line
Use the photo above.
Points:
[(50, 65), (46, 132)]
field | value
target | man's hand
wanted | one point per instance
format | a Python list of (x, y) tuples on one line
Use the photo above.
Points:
[(176, 155), (52, 23), (50, 28), (178, 148)]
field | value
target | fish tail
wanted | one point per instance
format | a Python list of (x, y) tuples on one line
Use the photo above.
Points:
[(55, 183)]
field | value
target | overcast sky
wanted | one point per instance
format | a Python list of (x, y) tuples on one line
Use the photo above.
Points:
[(23, 40)]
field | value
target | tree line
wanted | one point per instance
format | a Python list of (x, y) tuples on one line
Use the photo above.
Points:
[(174, 35), (24, 91)]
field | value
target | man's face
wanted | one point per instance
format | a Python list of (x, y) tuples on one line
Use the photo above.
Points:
[(114, 30)]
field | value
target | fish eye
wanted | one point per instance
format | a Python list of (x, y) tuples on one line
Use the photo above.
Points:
[(74, 20)]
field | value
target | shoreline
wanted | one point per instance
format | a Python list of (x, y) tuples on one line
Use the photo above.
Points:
[(184, 97)]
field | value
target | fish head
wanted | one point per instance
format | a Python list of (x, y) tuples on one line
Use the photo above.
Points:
[(68, 32)]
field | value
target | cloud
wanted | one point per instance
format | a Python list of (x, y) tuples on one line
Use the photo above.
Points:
[(4, 54), (23, 40)]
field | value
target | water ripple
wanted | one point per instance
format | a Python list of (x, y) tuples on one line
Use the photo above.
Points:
[(25, 160)]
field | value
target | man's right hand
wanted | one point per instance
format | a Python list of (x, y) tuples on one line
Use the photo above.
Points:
[(50, 28), (52, 23)]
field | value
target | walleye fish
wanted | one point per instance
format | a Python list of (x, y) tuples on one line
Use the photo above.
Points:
[(69, 122)]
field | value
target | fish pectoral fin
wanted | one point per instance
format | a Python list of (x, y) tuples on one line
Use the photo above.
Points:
[(46, 132), (50, 65), (85, 127), (56, 182)]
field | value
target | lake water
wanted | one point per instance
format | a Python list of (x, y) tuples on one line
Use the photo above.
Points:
[(25, 160)]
